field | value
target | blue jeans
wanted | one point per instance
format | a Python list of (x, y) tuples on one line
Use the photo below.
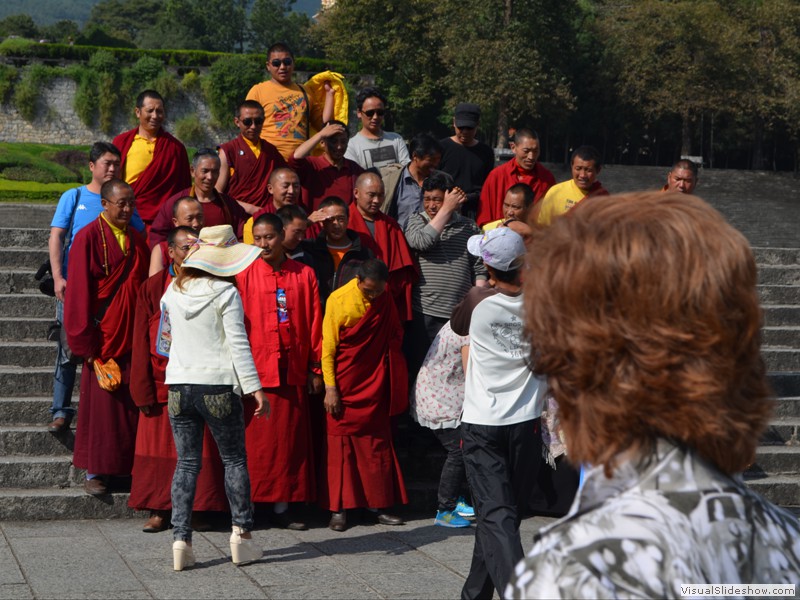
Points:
[(190, 406), (63, 378)]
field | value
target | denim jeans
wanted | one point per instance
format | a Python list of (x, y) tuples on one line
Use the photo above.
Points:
[(63, 378), (190, 407)]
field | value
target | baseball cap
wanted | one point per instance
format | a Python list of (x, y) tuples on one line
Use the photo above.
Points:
[(467, 115), (502, 248)]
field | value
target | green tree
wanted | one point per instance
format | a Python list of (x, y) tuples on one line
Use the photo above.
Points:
[(273, 21), (227, 83), (127, 19), (20, 25), (63, 32)]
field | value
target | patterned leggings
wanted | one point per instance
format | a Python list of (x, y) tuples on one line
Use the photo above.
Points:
[(190, 406)]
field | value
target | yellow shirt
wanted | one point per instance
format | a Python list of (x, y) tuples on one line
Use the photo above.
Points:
[(558, 200), (139, 156), (345, 308), (492, 225), (247, 232), (121, 235)]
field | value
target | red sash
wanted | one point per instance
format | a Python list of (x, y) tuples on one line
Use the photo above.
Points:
[(371, 372)]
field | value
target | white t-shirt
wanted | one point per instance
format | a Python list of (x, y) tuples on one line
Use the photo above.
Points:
[(500, 388)]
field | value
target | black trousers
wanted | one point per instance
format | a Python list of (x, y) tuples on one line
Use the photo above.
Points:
[(453, 478), (502, 464)]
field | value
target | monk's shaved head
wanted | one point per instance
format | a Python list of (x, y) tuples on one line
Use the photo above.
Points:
[(113, 187), (178, 203), (280, 171), (368, 178)]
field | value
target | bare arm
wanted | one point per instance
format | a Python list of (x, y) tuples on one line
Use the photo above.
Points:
[(453, 199), (464, 358), (330, 97), (56, 247), (156, 260), (308, 146), (224, 172)]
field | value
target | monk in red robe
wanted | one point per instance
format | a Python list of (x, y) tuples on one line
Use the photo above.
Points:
[(365, 384), (283, 318), (155, 457), (284, 189), (107, 264), (218, 208), (248, 161), (153, 161), (366, 218)]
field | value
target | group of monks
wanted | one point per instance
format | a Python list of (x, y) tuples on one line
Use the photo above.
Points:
[(325, 319)]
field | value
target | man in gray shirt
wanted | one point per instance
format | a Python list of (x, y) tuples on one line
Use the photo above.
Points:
[(372, 146)]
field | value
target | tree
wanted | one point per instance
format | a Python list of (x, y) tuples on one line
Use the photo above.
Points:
[(273, 21), (19, 25), (62, 31), (127, 19)]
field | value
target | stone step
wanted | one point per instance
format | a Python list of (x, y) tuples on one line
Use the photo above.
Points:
[(777, 256), (32, 472), (28, 354), (33, 381), (21, 215), (782, 431), (783, 490), (34, 305), (779, 275), (28, 440), (777, 315), (22, 258), (779, 294), (24, 237), (786, 408), (24, 329), (30, 411), (18, 281), (780, 337), (785, 385), (776, 460), (20, 504), (781, 359)]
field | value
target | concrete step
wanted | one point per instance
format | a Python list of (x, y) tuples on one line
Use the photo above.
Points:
[(34, 305), (32, 472), (24, 382), (24, 329), (22, 258), (777, 256), (782, 431), (31, 411), (29, 440), (780, 337), (28, 354), (24, 237), (785, 385), (779, 275), (21, 215), (783, 490), (776, 460), (777, 359), (20, 504), (779, 294), (776, 315), (786, 408), (18, 281)]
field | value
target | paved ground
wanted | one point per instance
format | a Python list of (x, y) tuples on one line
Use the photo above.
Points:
[(114, 559)]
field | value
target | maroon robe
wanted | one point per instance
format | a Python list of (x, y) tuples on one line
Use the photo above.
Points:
[(394, 251), (362, 467), (166, 174), (320, 179), (98, 270), (280, 449), (490, 207), (223, 210), (155, 454), (250, 177)]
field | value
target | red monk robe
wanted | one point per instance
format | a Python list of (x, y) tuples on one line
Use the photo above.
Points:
[(166, 175), (248, 182), (394, 251), (362, 466), (320, 179), (490, 207), (155, 456), (286, 345), (99, 271), (223, 210)]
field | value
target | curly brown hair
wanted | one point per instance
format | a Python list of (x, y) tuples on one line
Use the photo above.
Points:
[(643, 314)]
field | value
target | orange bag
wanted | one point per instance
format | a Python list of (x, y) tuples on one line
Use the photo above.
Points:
[(108, 374)]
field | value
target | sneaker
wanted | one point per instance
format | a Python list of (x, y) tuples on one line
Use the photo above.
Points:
[(450, 518), (464, 509)]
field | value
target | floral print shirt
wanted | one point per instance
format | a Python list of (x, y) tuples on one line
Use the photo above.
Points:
[(668, 520)]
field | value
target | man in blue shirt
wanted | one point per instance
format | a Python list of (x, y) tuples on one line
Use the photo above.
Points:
[(77, 208)]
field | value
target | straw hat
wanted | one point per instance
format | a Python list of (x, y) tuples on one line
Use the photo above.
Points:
[(217, 251)]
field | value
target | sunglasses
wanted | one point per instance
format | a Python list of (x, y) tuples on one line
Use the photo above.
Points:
[(250, 120), (375, 111), (286, 62)]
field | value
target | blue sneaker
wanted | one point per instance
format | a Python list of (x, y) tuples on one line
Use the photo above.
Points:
[(465, 510), (449, 518)]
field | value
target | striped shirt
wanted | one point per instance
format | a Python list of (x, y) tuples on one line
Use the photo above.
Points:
[(447, 270)]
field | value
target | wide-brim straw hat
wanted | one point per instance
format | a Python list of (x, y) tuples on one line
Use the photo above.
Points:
[(217, 251)]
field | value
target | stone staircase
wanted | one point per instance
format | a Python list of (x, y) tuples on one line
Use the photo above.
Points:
[(38, 481)]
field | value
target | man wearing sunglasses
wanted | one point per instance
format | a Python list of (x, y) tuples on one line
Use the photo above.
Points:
[(287, 106), (247, 161), (372, 146), (465, 158)]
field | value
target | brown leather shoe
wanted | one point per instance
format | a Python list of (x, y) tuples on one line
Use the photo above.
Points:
[(58, 425), (383, 518), (157, 522), (285, 521), (95, 487), (338, 521)]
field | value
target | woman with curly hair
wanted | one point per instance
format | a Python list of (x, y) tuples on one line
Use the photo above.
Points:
[(643, 314)]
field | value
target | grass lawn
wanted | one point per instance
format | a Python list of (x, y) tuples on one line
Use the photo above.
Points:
[(31, 191)]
